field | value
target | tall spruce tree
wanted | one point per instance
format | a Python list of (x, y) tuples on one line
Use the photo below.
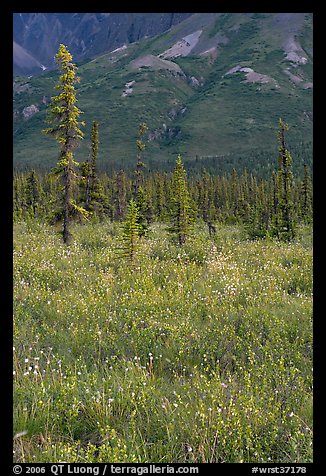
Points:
[(64, 115), (139, 190), (181, 212), (89, 167), (95, 198), (285, 228), (139, 172)]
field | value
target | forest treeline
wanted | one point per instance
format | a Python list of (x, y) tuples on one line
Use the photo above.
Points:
[(230, 198)]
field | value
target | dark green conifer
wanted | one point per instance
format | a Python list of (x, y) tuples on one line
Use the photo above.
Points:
[(139, 190), (306, 196), (96, 200), (33, 192), (181, 211), (64, 115), (284, 222)]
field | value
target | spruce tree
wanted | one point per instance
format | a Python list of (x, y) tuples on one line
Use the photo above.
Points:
[(142, 205), (181, 212), (257, 221), (64, 115), (139, 191), (285, 228), (306, 196), (33, 192), (95, 198), (139, 172)]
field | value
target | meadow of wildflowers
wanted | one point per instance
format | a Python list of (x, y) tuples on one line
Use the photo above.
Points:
[(200, 353)]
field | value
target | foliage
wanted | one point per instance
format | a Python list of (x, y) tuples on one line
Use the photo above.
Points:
[(131, 230), (180, 207), (64, 114), (305, 197), (230, 198), (283, 218), (94, 197), (139, 191)]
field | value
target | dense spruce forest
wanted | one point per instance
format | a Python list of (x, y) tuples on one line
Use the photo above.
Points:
[(230, 198)]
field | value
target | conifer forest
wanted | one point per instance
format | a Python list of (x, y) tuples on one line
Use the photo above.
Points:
[(160, 316)]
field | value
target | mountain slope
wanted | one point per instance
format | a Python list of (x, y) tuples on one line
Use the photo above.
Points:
[(212, 85), (85, 34)]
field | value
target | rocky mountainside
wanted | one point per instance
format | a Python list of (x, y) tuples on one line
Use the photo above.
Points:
[(211, 85), (38, 35)]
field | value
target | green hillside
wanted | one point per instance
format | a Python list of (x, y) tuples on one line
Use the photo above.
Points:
[(222, 98)]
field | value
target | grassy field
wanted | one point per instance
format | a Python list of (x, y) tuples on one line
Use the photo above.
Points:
[(199, 354)]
